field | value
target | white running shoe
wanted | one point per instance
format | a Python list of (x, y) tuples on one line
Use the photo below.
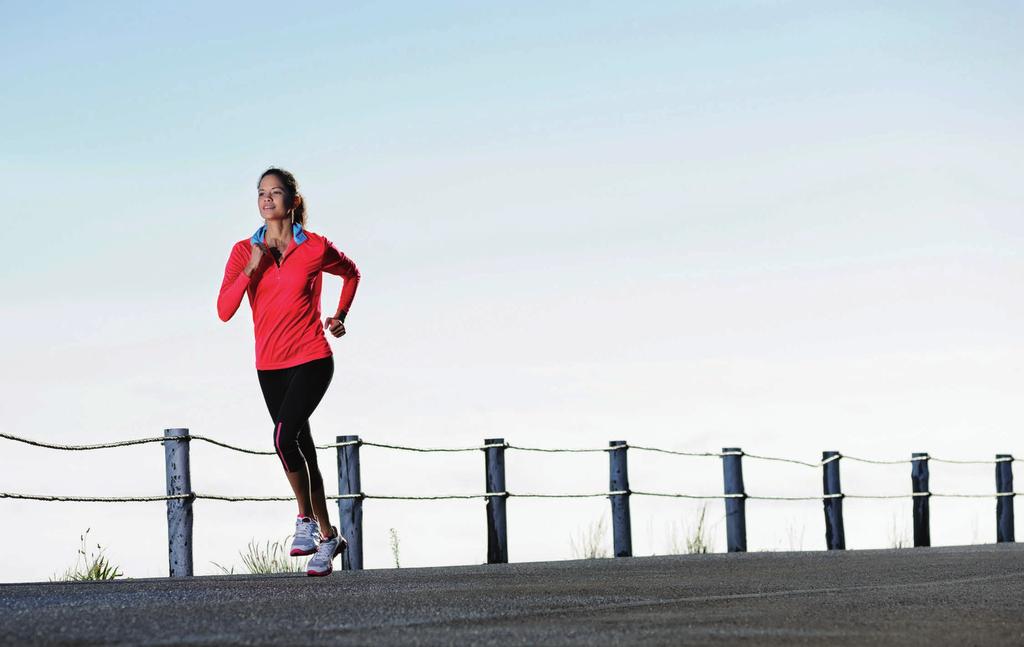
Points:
[(307, 530), (323, 562)]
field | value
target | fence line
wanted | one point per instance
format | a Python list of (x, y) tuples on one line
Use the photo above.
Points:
[(364, 443), (519, 495), (180, 496)]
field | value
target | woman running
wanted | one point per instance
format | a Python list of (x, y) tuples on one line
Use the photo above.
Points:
[(280, 268)]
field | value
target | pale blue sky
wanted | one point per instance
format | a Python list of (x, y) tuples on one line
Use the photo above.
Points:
[(786, 226)]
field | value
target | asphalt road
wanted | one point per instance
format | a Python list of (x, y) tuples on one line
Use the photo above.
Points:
[(922, 596)]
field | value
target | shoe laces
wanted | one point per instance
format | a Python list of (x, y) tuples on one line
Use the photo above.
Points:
[(310, 529), (327, 547)]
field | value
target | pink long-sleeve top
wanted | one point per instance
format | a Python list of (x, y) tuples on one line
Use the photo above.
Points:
[(285, 297)]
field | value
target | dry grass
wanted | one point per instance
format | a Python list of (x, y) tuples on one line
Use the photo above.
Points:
[(268, 558), (690, 540), (395, 551), (89, 566), (592, 542), (898, 534)]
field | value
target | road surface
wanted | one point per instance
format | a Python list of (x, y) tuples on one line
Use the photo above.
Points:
[(921, 596)]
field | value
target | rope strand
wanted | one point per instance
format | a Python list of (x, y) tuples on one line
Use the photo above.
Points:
[(348, 443), (523, 495)]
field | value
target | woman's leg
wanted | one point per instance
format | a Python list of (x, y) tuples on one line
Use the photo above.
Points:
[(315, 490), (294, 441), (274, 384)]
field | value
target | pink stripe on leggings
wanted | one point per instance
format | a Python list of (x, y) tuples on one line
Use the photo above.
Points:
[(277, 446)]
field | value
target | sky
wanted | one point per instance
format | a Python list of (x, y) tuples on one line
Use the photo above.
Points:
[(783, 226)]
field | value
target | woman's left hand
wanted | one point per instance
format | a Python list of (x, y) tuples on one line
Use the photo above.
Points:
[(335, 325)]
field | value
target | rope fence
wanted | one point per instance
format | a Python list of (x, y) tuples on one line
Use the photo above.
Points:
[(180, 496), (364, 443), (518, 495)]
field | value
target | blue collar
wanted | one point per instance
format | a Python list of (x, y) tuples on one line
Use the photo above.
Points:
[(297, 234)]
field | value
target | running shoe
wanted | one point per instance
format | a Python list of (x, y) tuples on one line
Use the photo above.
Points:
[(307, 531), (323, 562)]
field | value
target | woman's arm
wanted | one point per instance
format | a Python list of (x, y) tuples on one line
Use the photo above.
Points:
[(236, 280), (334, 262)]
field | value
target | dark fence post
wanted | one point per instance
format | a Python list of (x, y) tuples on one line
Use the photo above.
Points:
[(497, 534), (350, 510), (179, 511), (619, 482), (735, 507), (1004, 504), (835, 534), (919, 481)]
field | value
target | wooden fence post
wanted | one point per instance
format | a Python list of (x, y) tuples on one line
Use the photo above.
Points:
[(497, 529), (735, 506), (835, 534), (919, 481), (1004, 504), (350, 510), (619, 482), (179, 511)]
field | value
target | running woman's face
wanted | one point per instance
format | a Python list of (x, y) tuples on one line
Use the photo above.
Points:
[(272, 199)]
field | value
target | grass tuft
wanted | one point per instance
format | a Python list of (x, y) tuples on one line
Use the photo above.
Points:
[(267, 559), (694, 540), (89, 566), (395, 552), (592, 542), (898, 534)]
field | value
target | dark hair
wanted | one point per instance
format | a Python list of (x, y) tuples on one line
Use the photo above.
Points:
[(291, 188)]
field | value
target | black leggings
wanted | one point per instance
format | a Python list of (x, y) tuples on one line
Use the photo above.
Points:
[(292, 394)]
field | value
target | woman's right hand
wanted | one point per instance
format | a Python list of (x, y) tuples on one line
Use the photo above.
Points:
[(254, 259)]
